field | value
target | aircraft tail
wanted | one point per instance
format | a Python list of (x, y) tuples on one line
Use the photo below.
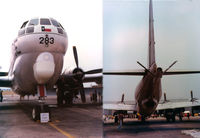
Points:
[(151, 36)]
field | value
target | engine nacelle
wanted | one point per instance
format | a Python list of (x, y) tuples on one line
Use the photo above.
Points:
[(77, 72), (68, 71)]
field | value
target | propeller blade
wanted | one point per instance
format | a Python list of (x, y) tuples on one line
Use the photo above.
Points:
[(75, 55), (82, 92), (94, 71), (145, 68), (170, 66)]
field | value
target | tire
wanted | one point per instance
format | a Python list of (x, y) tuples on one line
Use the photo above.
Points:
[(37, 110), (36, 113), (173, 118), (143, 118), (168, 119)]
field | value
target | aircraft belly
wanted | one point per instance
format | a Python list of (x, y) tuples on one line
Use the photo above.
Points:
[(148, 88)]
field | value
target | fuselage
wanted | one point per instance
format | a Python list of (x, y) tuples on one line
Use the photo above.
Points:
[(37, 55), (148, 91)]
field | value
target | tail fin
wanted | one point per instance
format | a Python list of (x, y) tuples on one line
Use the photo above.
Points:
[(151, 36)]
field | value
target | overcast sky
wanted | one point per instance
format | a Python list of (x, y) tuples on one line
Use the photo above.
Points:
[(82, 21), (177, 31)]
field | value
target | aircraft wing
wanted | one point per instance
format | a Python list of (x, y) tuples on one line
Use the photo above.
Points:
[(137, 73), (3, 73), (5, 82), (97, 79), (180, 72), (119, 106), (142, 73), (172, 104)]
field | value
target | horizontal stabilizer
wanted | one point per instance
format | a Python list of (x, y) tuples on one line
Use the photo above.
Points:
[(180, 72), (137, 73)]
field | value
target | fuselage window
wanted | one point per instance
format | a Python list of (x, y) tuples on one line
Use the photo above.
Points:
[(45, 21), (55, 23), (33, 22), (24, 24), (30, 30)]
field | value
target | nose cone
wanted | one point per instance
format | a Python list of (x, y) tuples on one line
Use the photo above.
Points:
[(44, 67)]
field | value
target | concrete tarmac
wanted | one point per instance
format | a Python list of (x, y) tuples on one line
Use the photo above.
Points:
[(153, 128), (80, 120)]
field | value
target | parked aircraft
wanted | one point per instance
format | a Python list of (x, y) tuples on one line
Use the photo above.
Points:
[(37, 60), (148, 92)]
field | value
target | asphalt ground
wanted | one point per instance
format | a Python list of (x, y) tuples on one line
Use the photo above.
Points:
[(153, 128), (79, 120)]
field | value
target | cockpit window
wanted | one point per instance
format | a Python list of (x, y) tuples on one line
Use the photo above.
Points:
[(55, 23), (33, 22), (24, 24), (21, 32), (30, 30), (60, 30), (45, 21)]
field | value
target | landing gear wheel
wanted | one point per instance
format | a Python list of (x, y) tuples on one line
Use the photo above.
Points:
[(68, 97), (143, 118), (40, 109), (116, 119), (82, 96), (36, 113), (168, 119), (180, 117), (173, 118), (60, 98)]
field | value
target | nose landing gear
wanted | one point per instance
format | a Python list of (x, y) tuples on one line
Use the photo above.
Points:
[(41, 110)]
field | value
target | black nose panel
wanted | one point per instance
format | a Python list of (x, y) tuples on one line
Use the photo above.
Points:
[(150, 103)]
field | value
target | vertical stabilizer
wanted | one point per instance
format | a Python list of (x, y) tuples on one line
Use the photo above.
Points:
[(151, 36)]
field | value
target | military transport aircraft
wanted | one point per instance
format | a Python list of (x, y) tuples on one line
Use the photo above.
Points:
[(148, 92), (37, 60)]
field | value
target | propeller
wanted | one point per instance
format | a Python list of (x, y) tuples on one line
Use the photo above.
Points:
[(75, 55), (93, 71), (79, 74), (170, 66), (145, 68)]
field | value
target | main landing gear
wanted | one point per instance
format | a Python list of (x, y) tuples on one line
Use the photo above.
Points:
[(170, 114), (41, 110)]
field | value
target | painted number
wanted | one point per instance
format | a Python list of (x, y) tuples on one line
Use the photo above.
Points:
[(46, 40)]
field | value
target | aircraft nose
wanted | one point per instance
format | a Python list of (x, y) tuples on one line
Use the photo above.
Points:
[(44, 67)]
